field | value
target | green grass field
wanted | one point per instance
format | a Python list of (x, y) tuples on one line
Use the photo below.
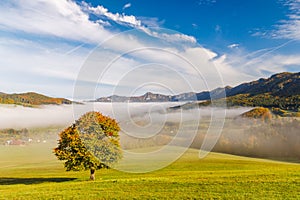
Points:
[(32, 172)]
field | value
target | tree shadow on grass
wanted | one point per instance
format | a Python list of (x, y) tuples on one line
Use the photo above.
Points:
[(30, 181)]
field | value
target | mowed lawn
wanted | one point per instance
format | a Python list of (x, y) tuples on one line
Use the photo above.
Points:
[(32, 172)]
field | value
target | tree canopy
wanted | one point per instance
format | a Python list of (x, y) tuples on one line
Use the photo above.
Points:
[(92, 142)]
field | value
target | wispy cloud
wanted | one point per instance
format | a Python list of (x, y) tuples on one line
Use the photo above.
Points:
[(46, 43), (52, 38), (218, 29), (127, 5), (133, 21), (64, 19), (265, 62), (232, 46), (151, 21), (285, 29), (117, 17), (290, 29), (206, 2), (171, 37), (195, 26)]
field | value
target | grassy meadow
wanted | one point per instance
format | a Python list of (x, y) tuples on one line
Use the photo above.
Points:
[(32, 172)]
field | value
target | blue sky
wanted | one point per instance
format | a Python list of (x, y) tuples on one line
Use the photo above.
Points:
[(215, 24), (47, 46)]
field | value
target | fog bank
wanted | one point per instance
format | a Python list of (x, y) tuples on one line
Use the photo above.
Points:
[(12, 116)]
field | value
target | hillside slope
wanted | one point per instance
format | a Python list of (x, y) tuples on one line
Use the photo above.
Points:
[(31, 99), (218, 176), (281, 84), (280, 91)]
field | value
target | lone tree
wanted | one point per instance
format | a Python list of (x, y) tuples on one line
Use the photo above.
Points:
[(91, 143)]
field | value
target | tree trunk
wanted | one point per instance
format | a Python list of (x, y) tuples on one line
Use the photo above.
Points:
[(92, 176)]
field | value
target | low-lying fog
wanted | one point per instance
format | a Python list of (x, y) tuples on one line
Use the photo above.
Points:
[(152, 124), (12, 116)]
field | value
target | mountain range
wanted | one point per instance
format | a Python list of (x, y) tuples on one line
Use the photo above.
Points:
[(280, 90)]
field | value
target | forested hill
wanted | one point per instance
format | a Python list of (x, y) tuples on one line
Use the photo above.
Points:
[(280, 91), (279, 85), (283, 84), (31, 99)]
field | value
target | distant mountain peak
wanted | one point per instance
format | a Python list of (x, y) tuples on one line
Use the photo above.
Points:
[(280, 84), (280, 92), (282, 74)]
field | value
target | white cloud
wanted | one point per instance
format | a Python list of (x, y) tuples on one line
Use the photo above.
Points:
[(232, 73), (59, 18), (151, 21), (128, 5), (191, 69), (261, 63), (103, 23), (232, 46), (32, 66), (51, 65), (101, 11), (276, 63), (171, 36), (286, 29), (195, 26), (179, 37), (134, 22)]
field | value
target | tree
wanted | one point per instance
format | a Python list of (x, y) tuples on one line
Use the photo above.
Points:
[(92, 142)]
